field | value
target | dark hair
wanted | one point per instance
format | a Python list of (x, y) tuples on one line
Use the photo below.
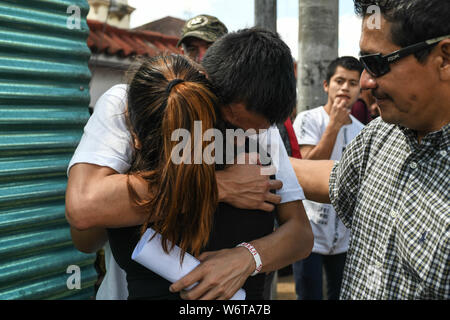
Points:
[(167, 93), (346, 62), (412, 21), (254, 67)]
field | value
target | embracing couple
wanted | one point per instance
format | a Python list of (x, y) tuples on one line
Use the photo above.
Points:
[(122, 179)]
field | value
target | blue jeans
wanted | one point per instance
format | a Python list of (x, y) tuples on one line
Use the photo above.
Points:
[(308, 276)]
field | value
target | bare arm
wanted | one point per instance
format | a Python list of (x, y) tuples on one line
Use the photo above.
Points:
[(292, 241), (313, 176), (98, 196), (90, 240)]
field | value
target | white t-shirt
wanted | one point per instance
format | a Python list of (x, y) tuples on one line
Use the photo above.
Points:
[(106, 141), (330, 234)]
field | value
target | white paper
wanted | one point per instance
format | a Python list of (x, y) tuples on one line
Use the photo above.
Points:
[(151, 255)]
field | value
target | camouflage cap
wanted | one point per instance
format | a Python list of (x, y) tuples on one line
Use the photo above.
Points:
[(204, 27)]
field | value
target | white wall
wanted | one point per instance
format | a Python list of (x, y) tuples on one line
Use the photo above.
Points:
[(102, 80)]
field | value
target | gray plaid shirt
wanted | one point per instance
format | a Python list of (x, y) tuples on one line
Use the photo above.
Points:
[(393, 194)]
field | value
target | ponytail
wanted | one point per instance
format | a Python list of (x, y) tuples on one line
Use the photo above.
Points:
[(186, 196)]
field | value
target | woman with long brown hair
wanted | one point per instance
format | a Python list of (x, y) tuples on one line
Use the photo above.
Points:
[(167, 93)]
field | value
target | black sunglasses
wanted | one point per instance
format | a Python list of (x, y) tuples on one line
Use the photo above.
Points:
[(377, 65)]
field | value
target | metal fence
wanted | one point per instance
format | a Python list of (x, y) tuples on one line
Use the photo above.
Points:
[(44, 98)]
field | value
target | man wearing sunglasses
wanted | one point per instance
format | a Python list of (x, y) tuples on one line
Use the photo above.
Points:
[(391, 187)]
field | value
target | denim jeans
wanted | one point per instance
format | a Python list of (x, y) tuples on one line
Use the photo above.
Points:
[(308, 276)]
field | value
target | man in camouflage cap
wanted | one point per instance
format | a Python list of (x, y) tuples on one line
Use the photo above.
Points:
[(198, 34)]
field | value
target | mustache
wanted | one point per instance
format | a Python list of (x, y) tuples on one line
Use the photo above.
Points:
[(380, 96)]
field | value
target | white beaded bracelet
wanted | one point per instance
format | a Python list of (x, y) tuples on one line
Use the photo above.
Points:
[(255, 255)]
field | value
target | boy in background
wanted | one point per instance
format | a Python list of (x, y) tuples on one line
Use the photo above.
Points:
[(323, 134)]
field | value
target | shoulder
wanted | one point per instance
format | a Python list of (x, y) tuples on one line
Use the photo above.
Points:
[(109, 113), (376, 139), (378, 131), (114, 100), (309, 117), (315, 112), (291, 189), (356, 123), (119, 90), (273, 130)]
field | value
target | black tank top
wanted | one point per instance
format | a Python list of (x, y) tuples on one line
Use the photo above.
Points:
[(231, 226)]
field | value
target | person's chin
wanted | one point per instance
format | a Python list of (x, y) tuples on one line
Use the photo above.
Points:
[(388, 116), (385, 104), (385, 110)]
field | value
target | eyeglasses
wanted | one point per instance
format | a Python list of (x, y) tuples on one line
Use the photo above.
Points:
[(378, 65)]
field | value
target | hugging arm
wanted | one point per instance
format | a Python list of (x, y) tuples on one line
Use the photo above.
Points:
[(97, 198)]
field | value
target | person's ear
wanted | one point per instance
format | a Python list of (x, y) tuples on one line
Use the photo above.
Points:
[(136, 143), (325, 86), (444, 59)]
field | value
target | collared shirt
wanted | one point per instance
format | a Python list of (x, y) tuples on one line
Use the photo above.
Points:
[(393, 193)]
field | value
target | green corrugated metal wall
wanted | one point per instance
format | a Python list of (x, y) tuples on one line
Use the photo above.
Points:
[(44, 97)]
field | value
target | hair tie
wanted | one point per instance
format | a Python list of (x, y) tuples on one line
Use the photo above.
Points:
[(172, 84)]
